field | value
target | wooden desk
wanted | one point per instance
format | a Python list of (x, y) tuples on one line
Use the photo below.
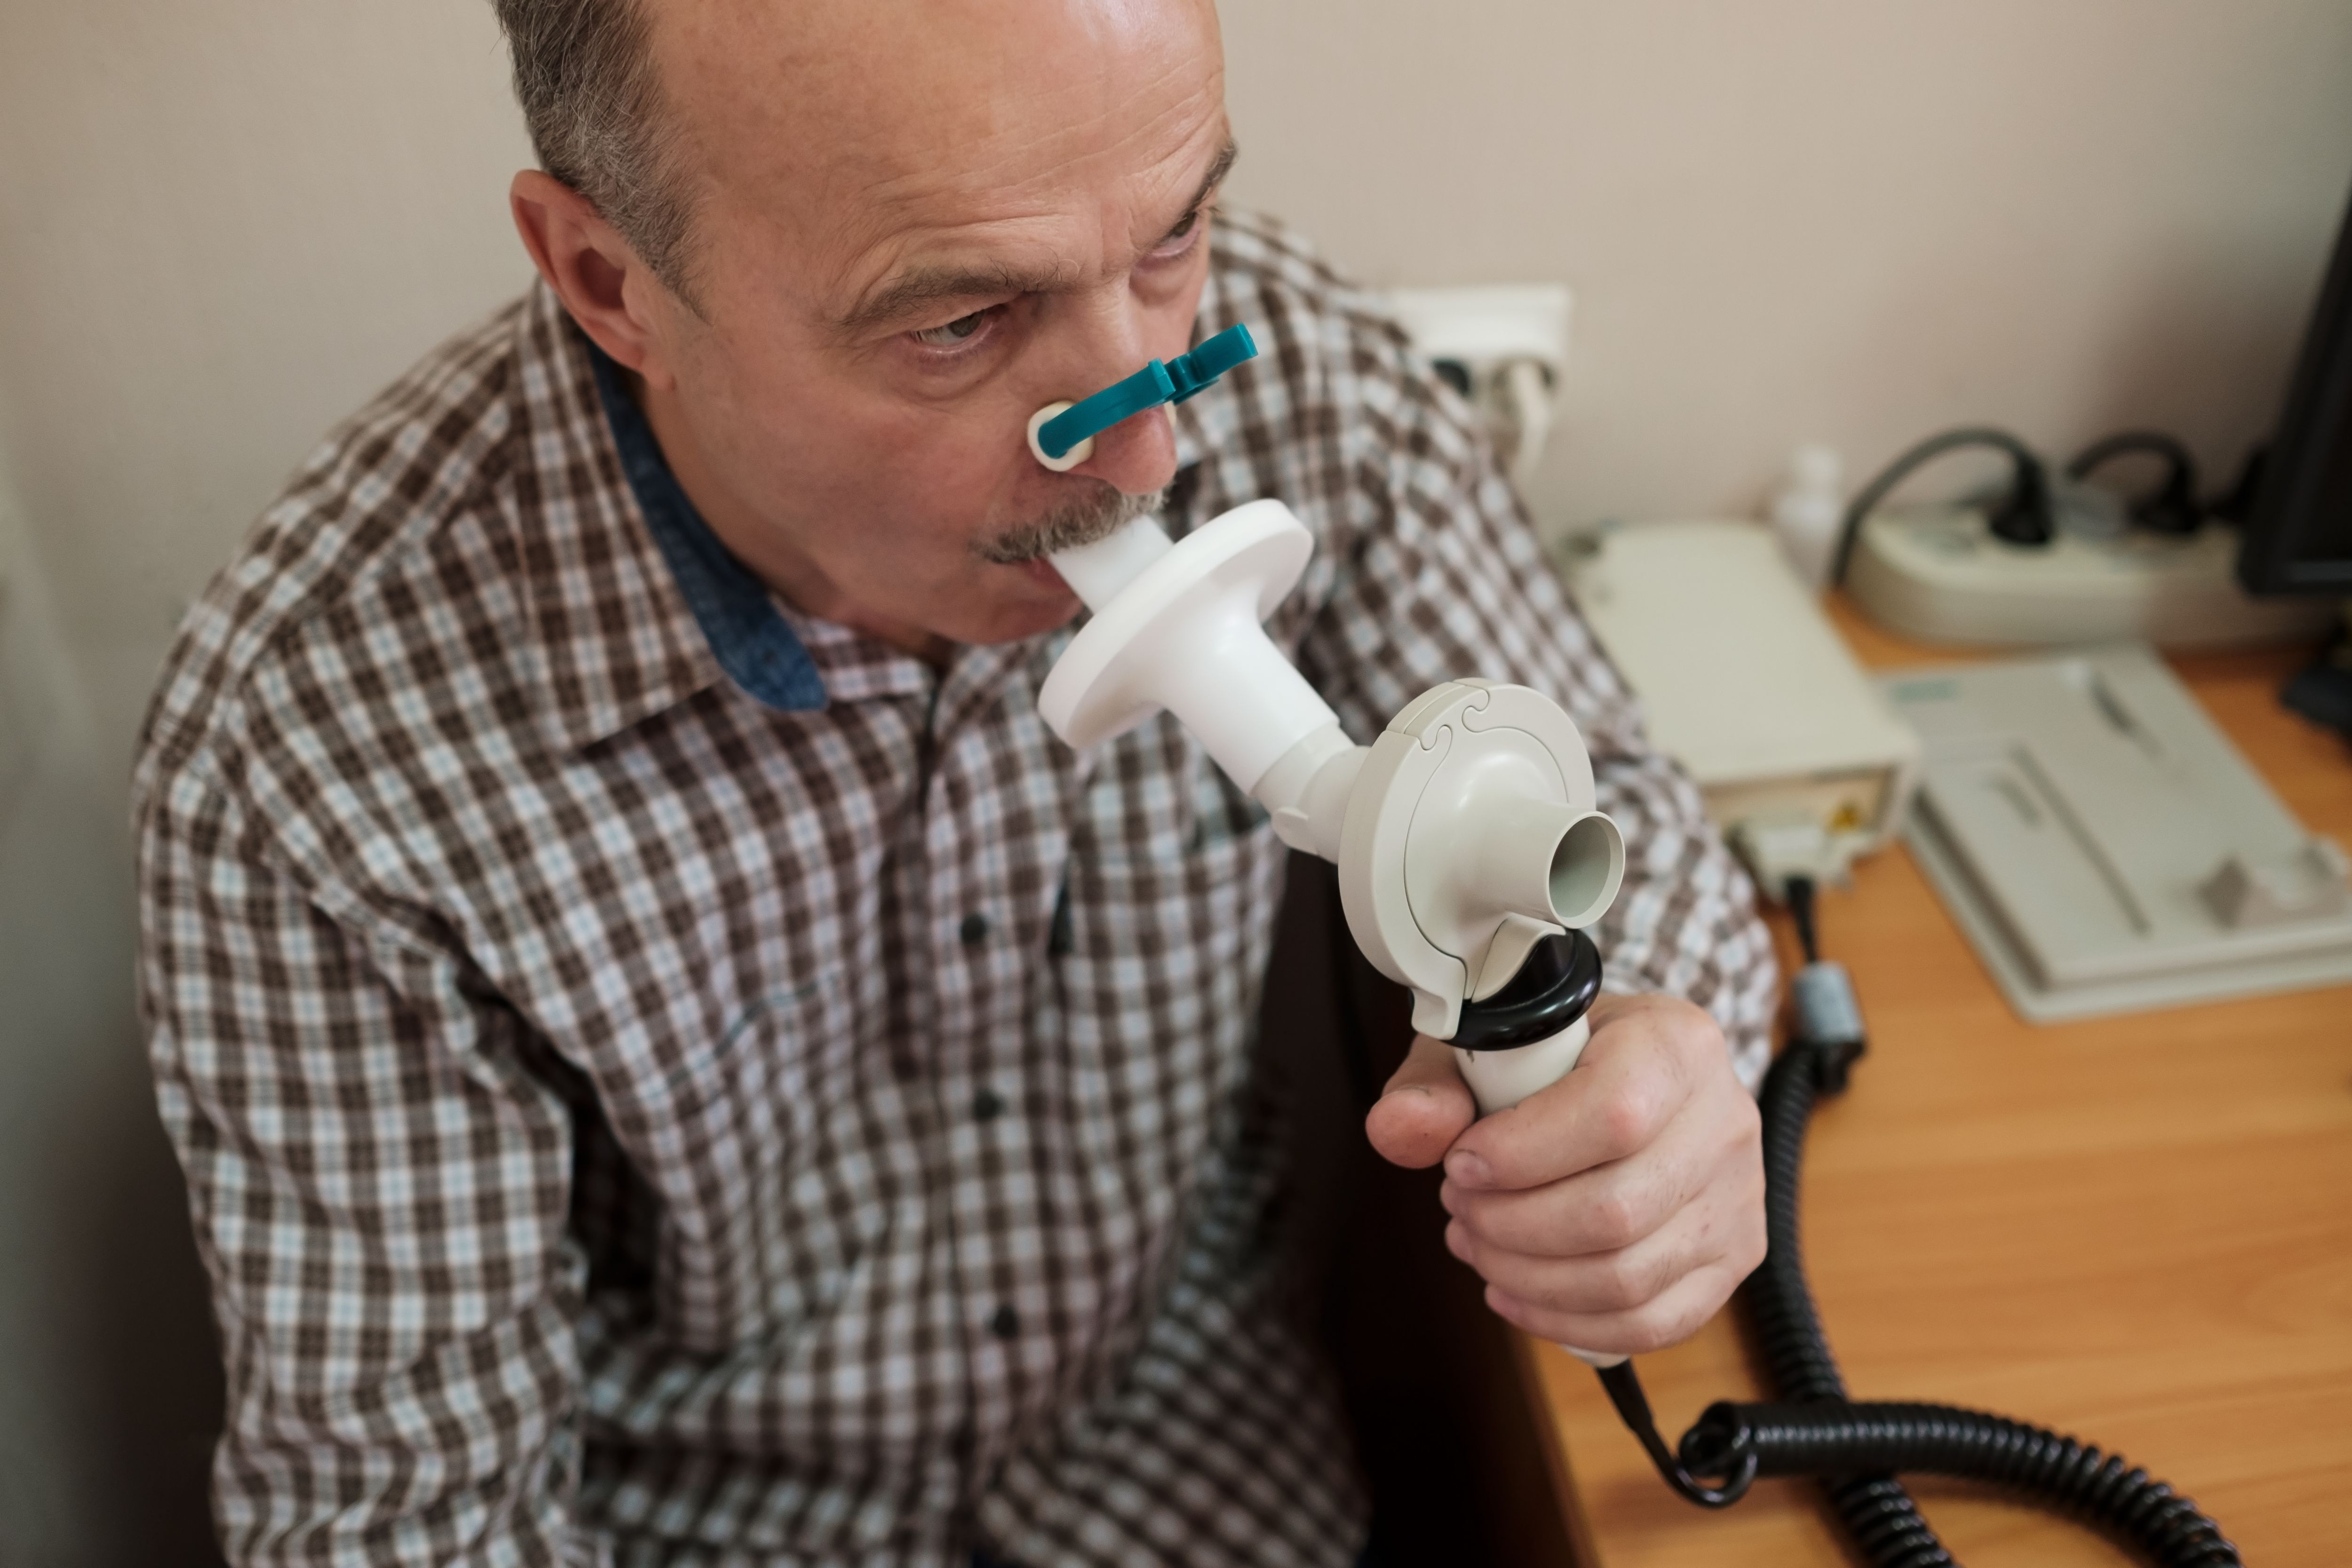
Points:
[(2136, 1231)]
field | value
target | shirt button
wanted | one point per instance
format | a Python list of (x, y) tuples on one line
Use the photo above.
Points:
[(1005, 1324), (975, 930), (988, 1105)]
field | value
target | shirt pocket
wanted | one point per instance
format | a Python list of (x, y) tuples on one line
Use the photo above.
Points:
[(760, 1227)]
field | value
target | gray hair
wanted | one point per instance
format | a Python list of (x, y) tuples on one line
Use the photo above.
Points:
[(592, 99)]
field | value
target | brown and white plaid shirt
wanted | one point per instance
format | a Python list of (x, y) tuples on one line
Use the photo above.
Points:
[(666, 1080)]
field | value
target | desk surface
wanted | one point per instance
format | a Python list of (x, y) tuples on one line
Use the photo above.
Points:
[(2137, 1230)]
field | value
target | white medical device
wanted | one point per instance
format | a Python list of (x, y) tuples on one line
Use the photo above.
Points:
[(1465, 835), (2104, 846), (1801, 760)]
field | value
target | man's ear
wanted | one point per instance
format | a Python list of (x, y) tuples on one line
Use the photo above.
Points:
[(610, 292)]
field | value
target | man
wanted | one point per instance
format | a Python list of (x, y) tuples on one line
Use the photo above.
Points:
[(674, 1063)]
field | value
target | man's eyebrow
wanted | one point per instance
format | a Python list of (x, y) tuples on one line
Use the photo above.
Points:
[(931, 285), (1221, 166)]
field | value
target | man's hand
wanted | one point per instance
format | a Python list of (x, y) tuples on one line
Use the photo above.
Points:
[(1615, 1210)]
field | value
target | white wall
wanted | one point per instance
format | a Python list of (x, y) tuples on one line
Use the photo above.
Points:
[(1851, 220), (223, 223), (226, 223)]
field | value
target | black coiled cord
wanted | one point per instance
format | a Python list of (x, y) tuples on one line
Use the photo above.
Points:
[(1858, 1450), (1938, 1439)]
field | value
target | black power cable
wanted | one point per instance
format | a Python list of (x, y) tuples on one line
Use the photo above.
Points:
[(2172, 507), (1857, 1449), (2024, 516)]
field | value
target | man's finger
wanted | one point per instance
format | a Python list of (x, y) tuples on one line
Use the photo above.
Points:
[(1596, 1282), (1634, 1077), (1722, 1223), (1613, 1204), (1424, 1109), (1666, 1319)]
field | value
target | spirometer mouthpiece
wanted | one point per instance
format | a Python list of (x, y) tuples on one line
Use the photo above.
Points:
[(1470, 851), (1062, 435), (1465, 835)]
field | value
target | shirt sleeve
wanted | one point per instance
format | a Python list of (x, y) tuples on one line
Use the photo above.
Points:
[(1438, 575), (380, 1195)]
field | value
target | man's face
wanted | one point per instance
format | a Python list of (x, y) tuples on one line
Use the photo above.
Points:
[(918, 221)]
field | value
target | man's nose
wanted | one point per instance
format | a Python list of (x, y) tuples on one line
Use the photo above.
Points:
[(1108, 344), (1137, 455)]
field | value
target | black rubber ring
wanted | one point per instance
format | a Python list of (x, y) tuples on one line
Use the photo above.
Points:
[(1555, 985)]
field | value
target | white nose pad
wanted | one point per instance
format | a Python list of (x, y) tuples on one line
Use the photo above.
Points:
[(1067, 460)]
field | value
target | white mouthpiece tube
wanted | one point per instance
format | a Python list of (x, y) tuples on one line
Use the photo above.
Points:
[(1099, 572), (1176, 627)]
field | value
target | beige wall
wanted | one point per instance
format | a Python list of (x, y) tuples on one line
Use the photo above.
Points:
[(1850, 220), (223, 222)]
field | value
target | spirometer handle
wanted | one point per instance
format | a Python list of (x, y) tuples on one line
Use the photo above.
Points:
[(1499, 1080)]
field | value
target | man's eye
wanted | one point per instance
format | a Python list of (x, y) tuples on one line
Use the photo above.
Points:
[(1180, 232), (960, 330)]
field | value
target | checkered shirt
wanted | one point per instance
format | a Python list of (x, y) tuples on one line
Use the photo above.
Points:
[(628, 1121)]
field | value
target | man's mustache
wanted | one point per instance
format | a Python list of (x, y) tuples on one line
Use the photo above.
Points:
[(1082, 521)]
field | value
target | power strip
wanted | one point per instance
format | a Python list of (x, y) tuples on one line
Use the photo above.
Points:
[(1939, 575)]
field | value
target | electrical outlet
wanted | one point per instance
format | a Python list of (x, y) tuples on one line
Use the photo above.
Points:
[(1481, 327), (1502, 346)]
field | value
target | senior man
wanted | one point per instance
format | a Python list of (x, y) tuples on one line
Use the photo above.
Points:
[(675, 1065)]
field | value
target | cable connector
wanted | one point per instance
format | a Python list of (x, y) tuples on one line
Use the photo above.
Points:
[(1826, 1018), (1782, 848), (1826, 1009)]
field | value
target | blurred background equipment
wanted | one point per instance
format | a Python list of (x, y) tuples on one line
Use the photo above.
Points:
[(1808, 509), (1502, 346), (2041, 559), (2298, 515), (2104, 847), (1742, 682), (2296, 497)]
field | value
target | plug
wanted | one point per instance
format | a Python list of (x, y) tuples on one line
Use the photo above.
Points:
[(1781, 846), (2024, 516)]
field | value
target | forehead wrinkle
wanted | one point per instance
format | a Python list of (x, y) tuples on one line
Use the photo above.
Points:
[(899, 288), (956, 148), (1029, 168)]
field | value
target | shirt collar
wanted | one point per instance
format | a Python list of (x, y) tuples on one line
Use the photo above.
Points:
[(749, 637), (611, 640)]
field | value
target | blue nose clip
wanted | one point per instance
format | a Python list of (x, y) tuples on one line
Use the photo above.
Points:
[(1157, 382)]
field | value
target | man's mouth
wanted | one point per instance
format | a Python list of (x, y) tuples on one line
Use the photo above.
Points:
[(1082, 521)]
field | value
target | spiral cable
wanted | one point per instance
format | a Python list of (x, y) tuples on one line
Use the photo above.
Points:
[(1877, 1510), (1857, 1449)]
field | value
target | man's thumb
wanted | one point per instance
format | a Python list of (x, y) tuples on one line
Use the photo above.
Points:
[(1424, 1109)]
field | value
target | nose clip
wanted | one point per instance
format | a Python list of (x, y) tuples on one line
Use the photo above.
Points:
[(1062, 435)]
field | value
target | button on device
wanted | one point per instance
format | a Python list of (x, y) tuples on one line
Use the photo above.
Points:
[(975, 930), (988, 1105), (1005, 1324)]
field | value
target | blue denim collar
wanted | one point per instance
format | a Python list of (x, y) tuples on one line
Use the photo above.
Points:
[(748, 635)]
